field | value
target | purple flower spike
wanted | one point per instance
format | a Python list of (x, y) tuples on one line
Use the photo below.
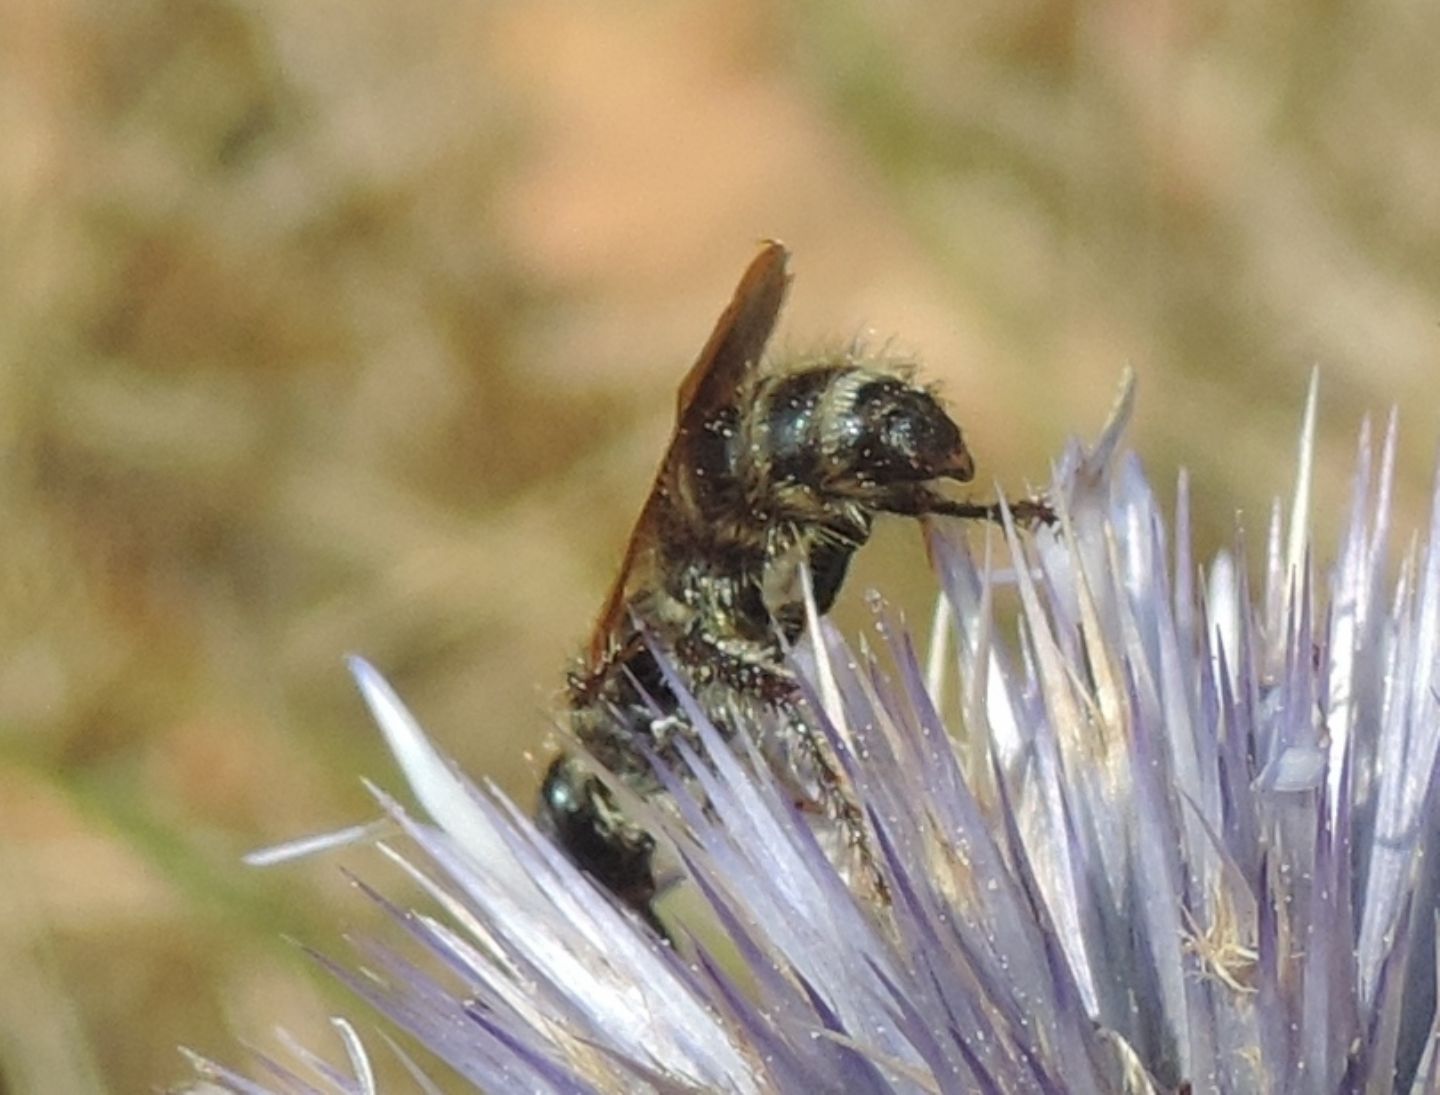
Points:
[(1182, 836)]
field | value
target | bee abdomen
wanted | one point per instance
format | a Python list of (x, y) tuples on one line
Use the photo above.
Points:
[(579, 813)]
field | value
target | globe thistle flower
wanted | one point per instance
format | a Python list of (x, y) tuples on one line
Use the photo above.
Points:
[(1182, 838)]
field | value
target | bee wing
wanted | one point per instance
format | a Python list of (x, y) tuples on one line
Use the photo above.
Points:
[(732, 351), (739, 337)]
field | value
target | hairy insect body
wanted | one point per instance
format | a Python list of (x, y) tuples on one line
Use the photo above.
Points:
[(767, 472)]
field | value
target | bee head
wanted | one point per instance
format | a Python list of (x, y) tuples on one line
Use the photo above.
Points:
[(896, 433)]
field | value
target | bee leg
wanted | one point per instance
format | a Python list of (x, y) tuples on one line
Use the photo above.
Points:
[(838, 803), (1029, 512), (752, 668)]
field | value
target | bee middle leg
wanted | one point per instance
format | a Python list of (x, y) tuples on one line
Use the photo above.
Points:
[(754, 669)]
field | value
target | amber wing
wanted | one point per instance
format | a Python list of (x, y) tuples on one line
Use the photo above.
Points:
[(733, 349)]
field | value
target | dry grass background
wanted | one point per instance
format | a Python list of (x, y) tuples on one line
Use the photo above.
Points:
[(331, 327)]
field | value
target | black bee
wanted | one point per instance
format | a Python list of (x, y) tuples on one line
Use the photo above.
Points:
[(766, 472)]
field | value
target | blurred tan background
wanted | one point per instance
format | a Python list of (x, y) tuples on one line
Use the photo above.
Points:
[(333, 327)]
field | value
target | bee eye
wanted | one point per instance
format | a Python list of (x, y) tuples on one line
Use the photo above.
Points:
[(903, 433)]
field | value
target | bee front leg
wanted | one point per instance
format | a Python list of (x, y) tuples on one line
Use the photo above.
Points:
[(921, 501), (1027, 512)]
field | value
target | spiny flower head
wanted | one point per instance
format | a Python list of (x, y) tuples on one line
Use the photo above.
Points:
[(1182, 837)]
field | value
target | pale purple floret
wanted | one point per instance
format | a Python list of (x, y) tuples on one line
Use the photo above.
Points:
[(1179, 831)]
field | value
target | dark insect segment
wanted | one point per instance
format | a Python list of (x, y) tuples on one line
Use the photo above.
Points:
[(766, 473)]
